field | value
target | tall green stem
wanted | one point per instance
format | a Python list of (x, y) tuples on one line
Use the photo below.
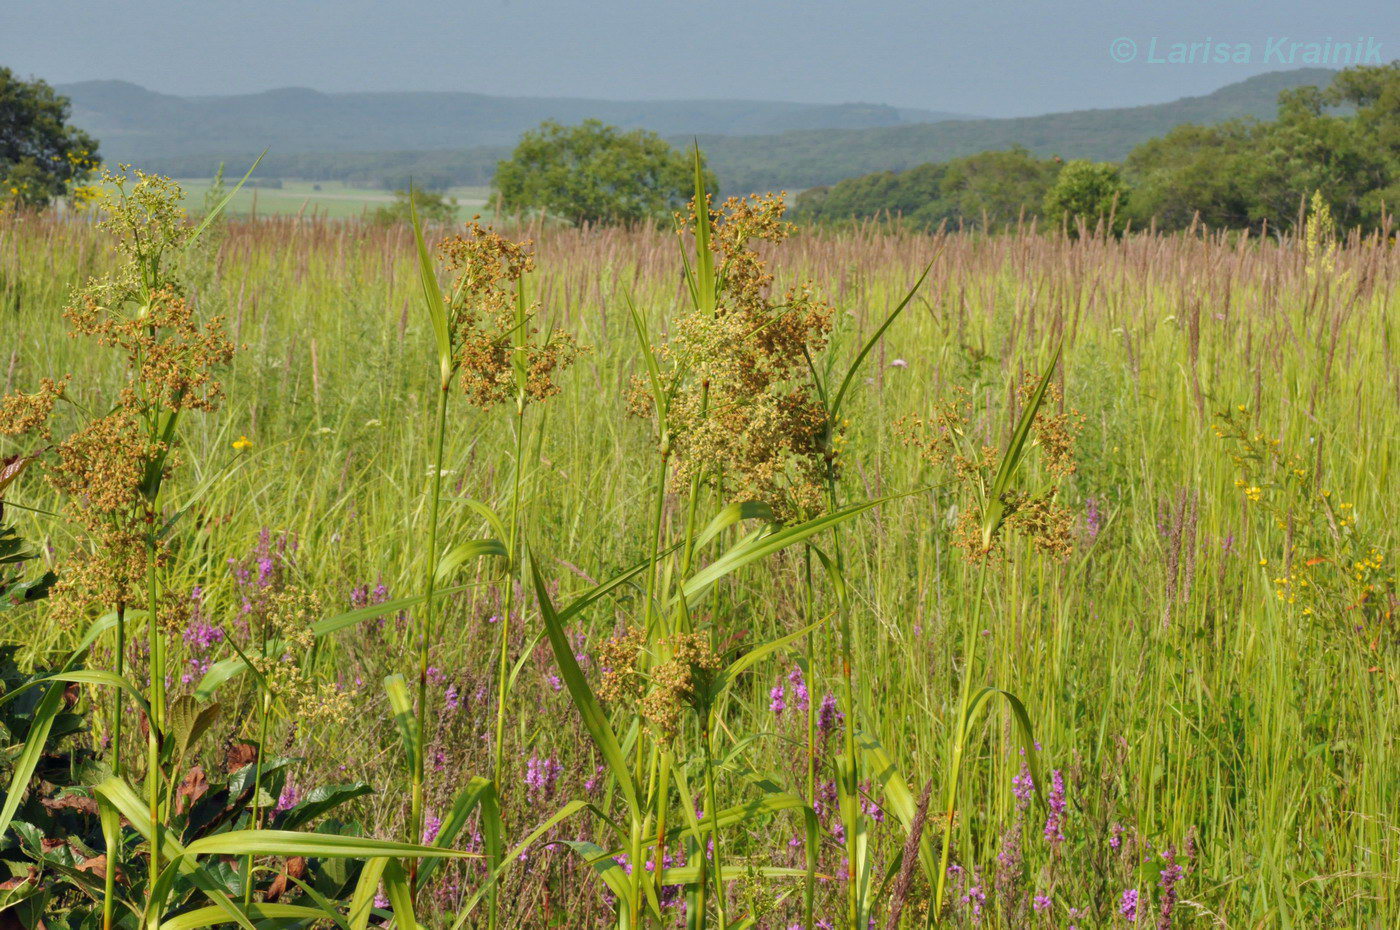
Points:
[(109, 881), (711, 812), (513, 566), (256, 823), (970, 639), (425, 632), (156, 700)]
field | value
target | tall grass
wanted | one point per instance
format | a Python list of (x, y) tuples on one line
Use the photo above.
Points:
[(1183, 703)]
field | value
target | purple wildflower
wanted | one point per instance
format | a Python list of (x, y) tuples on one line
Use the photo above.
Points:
[(431, 826), (1040, 902), (1128, 904), (288, 798), (1021, 787), (798, 682), (540, 776), (1093, 519), (827, 714), (1054, 823), (1170, 876), (776, 704)]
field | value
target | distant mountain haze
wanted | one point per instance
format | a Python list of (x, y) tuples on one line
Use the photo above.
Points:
[(135, 124), (382, 139)]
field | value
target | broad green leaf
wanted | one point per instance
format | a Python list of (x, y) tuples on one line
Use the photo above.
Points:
[(322, 800), (730, 515), (217, 916), (325, 845), (39, 729), (471, 549)]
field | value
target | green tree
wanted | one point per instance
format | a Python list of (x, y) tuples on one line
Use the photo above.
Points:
[(1342, 143), (594, 173), (42, 157), (432, 206), (1193, 173), (1087, 192), (997, 189)]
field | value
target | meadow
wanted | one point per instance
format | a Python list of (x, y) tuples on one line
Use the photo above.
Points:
[(318, 199), (1199, 624)]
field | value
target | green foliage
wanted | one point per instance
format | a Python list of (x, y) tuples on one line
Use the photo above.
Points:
[(1087, 193), (42, 157), (995, 189), (988, 190), (1343, 142), (432, 207), (594, 173)]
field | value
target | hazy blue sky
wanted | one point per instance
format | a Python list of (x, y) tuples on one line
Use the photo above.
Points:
[(995, 58)]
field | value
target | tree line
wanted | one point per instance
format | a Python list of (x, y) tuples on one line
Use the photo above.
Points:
[(1341, 142)]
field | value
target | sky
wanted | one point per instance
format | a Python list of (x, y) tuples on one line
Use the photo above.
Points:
[(992, 58)]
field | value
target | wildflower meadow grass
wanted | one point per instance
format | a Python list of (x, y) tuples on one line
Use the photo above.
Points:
[(632, 568)]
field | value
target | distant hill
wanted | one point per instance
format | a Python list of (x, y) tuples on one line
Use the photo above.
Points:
[(801, 159), (135, 124), (384, 139)]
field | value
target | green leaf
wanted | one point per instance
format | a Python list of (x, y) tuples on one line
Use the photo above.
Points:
[(322, 800), (217, 916), (432, 297), (658, 394), (366, 890), (895, 795), (594, 720), (730, 515), (462, 806), (188, 721), (1023, 729), (400, 895), (750, 551), (28, 760), (326, 845), (1016, 452), (870, 343), (706, 285), (402, 706), (471, 549), (503, 864), (725, 678), (219, 207)]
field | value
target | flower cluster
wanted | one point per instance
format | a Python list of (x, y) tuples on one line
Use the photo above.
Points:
[(110, 468), (943, 439), (1330, 567), (494, 357), (741, 402)]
